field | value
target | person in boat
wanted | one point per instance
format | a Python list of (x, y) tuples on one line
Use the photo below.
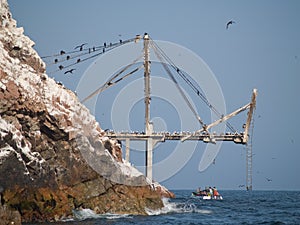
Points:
[(199, 192), (215, 192), (210, 193)]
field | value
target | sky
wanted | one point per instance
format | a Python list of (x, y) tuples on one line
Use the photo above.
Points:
[(260, 50)]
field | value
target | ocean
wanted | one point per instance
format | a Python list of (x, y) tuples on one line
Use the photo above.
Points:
[(237, 207)]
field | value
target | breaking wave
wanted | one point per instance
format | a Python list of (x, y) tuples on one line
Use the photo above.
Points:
[(169, 208), (177, 207), (84, 214)]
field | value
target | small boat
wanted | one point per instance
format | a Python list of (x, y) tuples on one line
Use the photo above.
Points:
[(207, 194)]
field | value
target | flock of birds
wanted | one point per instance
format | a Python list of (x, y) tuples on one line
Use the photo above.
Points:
[(79, 54), (81, 47)]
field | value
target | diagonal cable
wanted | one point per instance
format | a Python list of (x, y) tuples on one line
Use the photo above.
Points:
[(193, 86), (110, 81), (178, 87)]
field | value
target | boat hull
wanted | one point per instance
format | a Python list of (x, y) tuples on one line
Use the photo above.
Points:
[(207, 197)]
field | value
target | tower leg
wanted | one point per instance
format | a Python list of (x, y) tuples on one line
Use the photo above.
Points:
[(127, 154), (149, 160)]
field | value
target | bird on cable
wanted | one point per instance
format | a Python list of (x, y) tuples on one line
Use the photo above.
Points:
[(229, 23), (69, 71), (80, 46)]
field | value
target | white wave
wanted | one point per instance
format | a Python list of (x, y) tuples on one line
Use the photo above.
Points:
[(115, 216), (84, 214), (172, 207)]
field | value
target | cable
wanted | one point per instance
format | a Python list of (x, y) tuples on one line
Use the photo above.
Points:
[(110, 82), (178, 87), (193, 87), (83, 52)]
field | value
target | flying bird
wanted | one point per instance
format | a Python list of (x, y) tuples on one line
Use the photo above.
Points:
[(80, 46), (69, 71), (268, 179), (229, 23)]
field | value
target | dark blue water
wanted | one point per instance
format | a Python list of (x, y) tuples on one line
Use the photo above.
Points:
[(237, 207)]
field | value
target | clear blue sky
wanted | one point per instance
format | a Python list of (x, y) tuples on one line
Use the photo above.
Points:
[(261, 50)]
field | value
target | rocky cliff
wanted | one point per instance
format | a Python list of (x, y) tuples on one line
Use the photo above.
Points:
[(54, 157)]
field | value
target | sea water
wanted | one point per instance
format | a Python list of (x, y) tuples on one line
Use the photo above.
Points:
[(237, 207)]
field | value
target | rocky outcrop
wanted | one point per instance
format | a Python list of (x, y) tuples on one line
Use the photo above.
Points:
[(9, 216), (54, 157)]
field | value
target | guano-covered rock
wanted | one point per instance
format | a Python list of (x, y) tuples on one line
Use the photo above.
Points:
[(54, 156)]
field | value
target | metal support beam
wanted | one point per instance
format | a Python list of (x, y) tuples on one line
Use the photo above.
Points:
[(148, 125), (149, 159), (127, 154), (250, 113), (147, 83)]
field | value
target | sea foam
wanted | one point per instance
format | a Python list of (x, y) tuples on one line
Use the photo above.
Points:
[(84, 214), (177, 207)]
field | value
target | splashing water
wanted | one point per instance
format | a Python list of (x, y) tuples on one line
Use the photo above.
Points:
[(84, 214), (179, 207)]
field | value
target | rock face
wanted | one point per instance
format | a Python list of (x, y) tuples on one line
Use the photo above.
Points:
[(54, 157)]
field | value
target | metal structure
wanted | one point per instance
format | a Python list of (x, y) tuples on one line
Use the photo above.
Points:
[(149, 136), (203, 134), (152, 138)]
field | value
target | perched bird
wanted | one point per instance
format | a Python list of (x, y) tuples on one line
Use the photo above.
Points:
[(69, 71), (61, 67), (80, 46), (229, 23), (62, 52), (16, 48)]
